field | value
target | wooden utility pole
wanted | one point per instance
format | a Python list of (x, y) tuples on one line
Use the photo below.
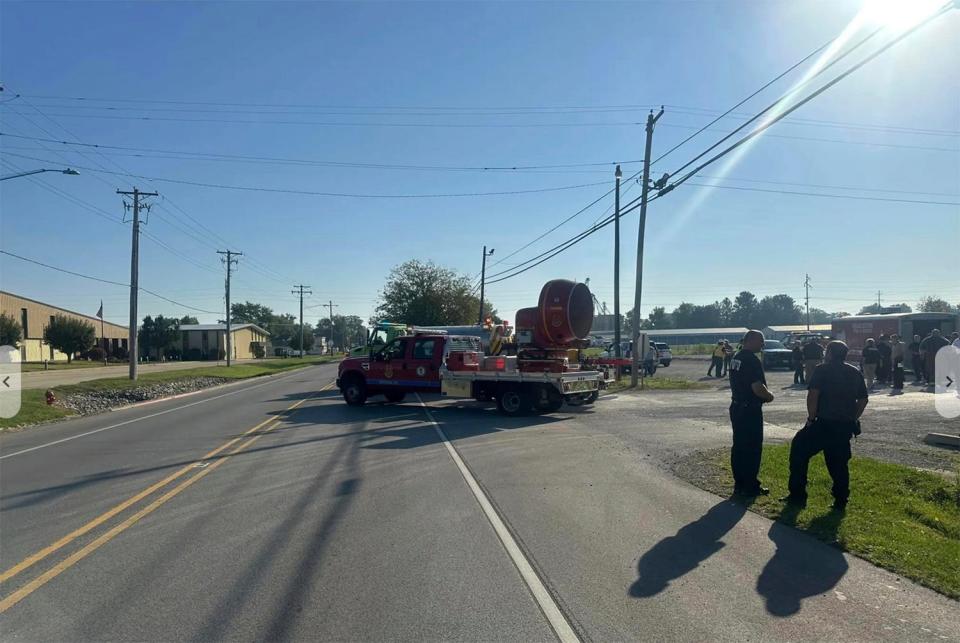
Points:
[(134, 274), (806, 285), (230, 262), (301, 291), (331, 306), (616, 270), (483, 279), (639, 351)]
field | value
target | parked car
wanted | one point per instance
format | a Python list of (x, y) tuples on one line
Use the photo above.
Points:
[(775, 355), (801, 338), (663, 353)]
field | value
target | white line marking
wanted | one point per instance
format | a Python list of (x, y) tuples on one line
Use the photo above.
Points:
[(551, 610), (145, 417)]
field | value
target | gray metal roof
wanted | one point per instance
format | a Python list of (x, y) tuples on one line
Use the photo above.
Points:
[(733, 332)]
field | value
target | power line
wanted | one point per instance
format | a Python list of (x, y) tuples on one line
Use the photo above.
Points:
[(825, 195), (326, 163), (105, 281), (249, 188), (802, 102)]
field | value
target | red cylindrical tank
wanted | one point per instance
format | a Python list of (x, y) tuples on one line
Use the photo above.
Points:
[(563, 316)]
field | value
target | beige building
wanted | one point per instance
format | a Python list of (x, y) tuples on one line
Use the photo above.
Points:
[(34, 316), (208, 341)]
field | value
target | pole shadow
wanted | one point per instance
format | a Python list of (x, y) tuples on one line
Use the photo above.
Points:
[(801, 567), (683, 552)]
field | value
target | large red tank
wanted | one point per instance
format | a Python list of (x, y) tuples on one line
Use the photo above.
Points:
[(562, 319)]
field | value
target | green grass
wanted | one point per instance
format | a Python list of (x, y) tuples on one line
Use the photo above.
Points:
[(694, 349), (34, 408), (656, 384), (901, 519)]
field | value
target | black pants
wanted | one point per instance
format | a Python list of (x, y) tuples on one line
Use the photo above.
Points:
[(898, 376), (833, 438), (917, 363), (747, 421), (726, 364), (883, 371), (716, 364), (798, 374)]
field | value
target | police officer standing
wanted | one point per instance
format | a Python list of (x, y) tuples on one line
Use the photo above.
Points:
[(836, 397), (748, 386)]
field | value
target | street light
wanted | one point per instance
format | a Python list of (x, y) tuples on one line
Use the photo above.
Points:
[(69, 171)]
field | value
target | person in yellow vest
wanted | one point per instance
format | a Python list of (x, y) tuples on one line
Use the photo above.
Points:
[(716, 361)]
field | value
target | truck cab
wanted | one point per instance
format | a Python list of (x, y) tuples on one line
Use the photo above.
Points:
[(405, 364), (381, 335)]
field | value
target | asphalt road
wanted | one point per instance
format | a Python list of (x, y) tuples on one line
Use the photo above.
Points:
[(271, 510)]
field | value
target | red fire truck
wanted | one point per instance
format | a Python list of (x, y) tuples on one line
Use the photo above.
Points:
[(540, 377)]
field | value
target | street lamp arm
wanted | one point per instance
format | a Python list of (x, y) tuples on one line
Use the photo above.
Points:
[(69, 171)]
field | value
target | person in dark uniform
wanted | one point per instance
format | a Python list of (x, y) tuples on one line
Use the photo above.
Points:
[(748, 386), (797, 357), (836, 398), (886, 352)]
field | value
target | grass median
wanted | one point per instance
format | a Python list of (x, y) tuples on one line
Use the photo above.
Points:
[(901, 519), (34, 408)]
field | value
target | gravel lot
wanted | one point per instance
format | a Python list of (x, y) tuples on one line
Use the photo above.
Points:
[(893, 424)]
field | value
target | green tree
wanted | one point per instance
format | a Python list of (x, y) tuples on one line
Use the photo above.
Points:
[(425, 294), (308, 337), (658, 319), (157, 335), (777, 309), (281, 328), (187, 320), (10, 332), (251, 313), (70, 335), (745, 309), (818, 316), (347, 330), (931, 304), (726, 312)]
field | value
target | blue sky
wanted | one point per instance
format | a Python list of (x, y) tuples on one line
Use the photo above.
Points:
[(380, 66)]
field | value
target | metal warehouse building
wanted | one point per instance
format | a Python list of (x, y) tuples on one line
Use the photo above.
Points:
[(779, 332), (34, 316), (687, 336)]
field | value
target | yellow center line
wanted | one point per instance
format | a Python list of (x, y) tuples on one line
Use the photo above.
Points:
[(41, 580), (107, 515)]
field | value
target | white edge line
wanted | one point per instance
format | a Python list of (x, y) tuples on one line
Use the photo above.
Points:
[(548, 606), (145, 417)]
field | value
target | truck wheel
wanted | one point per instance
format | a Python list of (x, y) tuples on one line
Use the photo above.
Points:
[(395, 397), (548, 399), (355, 391), (575, 400), (513, 402), (590, 399)]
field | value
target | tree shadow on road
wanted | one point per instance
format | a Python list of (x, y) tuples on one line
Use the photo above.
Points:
[(802, 566), (683, 552)]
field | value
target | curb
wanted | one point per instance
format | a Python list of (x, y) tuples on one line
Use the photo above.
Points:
[(178, 396)]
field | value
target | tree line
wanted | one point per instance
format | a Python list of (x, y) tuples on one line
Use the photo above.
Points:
[(746, 310)]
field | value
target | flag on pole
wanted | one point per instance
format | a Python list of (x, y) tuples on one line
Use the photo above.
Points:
[(100, 312)]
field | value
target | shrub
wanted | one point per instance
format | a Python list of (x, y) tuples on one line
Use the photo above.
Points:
[(258, 350), (194, 354), (10, 332), (95, 354)]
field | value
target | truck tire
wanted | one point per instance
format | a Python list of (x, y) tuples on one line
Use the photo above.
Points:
[(592, 397), (575, 400), (547, 399), (395, 397), (354, 391), (513, 401)]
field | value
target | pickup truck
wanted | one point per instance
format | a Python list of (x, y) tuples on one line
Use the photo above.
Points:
[(455, 366)]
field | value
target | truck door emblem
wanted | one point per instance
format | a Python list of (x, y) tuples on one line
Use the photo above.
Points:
[(421, 371)]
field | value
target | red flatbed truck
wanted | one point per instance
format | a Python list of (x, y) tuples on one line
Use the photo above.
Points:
[(540, 378)]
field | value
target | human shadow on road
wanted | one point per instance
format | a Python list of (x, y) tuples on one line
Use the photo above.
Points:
[(683, 552), (802, 566)]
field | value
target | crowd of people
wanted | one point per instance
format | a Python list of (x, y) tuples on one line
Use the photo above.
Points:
[(883, 361)]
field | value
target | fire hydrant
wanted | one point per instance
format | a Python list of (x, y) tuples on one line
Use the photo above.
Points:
[(51, 398)]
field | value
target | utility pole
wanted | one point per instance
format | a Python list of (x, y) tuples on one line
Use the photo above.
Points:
[(638, 350), (230, 262), (300, 290), (616, 269), (331, 305), (134, 353), (483, 278), (878, 302), (806, 285)]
